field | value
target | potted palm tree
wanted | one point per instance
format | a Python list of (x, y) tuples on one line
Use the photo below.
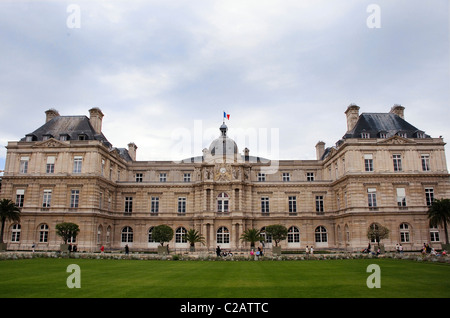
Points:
[(252, 236), (192, 236), (439, 214), (67, 231), (8, 211)]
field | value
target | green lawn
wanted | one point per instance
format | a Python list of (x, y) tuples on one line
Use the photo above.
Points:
[(223, 279)]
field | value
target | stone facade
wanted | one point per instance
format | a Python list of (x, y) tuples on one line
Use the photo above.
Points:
[(382, 171)]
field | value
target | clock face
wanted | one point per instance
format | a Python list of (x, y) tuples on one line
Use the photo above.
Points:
[(223, 170)]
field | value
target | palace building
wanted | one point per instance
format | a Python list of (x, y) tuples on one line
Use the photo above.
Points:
[(382, 171)]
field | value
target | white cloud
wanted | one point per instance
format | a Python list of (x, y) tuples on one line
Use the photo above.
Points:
[(154, 67)]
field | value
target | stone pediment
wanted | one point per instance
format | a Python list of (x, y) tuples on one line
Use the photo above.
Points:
[(396, 140), (51, 143)]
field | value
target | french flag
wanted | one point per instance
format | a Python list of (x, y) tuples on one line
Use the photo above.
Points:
[(225, 115)]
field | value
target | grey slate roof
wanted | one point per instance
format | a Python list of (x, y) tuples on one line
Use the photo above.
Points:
[(388, 123), (73, 127), (376, 123)]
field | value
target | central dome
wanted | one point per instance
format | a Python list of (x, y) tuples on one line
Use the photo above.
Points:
[(223, 146)]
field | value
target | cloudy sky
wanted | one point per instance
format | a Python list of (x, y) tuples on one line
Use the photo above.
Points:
[(164, 71)]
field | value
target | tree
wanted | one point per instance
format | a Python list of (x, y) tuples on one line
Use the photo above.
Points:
[(278, 232), (377, 232), (439, 214), (192, 236), (162, 233), (67, 230), (252, 236), (8, 211)]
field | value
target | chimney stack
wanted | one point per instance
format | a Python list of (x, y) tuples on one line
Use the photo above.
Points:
[(352, 113), (399, 110), (50, 114), (96, 117), (320, 149), (132, 150)]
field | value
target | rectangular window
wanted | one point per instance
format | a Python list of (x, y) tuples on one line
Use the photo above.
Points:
[(50, 165), (265, 205), (434, 234), (292, 204), (77, 163), (139, 177), (429, 196), (319, 203), (401, 197), (397, 160), (24, 164), (365, 135), (47, 199), (74, 198), (310, 176), (372, 197), (425, 162), (286, 176), (187, 177), (154, 205), (181, 205), (20, 196), (100, 200), (162, 177), (128, 204), (261, 177), (368, 162)]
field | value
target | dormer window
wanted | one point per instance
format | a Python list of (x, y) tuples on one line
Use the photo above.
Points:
[(29, 138), (402, 134), (46, 137), (82, 137), (382, 134), (64, 137), (365, 135), (419, 134)]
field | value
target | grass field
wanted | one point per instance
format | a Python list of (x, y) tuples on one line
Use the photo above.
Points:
[(222, 279)]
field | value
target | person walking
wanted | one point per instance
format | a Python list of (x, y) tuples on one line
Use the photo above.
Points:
[(127, 250), (218, 250), (102, 249)]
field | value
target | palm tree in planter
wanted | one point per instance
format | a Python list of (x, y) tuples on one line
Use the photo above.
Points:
[(279, 233), (8, 211), (162, 233), (377, 232), (192, 236), (252, 236), (67, 231), (439, 214)]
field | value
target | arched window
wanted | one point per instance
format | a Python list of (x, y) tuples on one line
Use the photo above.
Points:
[(321, 234), (404, 233), (15, 233), (150, 237), (99, 233), (293, 235), (267, 238), (127, 235), (180, 235), (108, 234), (43, 233), (347, 234), (223, 235), (223, 202)]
